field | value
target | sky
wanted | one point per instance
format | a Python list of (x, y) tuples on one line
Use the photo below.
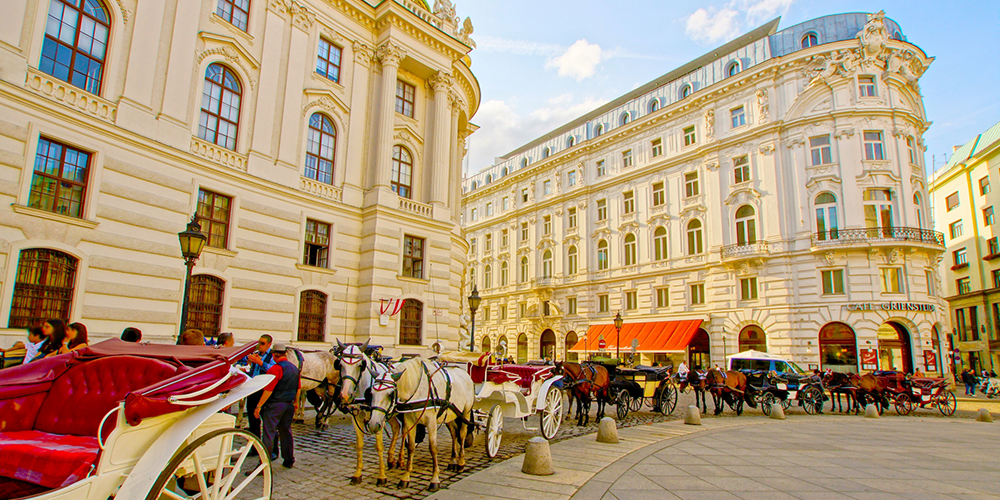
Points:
[(541, 63)]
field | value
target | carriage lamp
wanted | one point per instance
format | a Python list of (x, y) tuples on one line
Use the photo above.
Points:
[(192, 242), (474, 300), (618, 337)]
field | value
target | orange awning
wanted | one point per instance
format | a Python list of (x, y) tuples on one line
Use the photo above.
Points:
[(656, 336)]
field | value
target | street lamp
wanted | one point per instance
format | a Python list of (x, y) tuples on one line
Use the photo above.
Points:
[(618, 338), (474, 301), (192, 242)]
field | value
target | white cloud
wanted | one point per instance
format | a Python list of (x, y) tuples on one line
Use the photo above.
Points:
[(493, 44), (759, 11), (579, 61), (712, 25)]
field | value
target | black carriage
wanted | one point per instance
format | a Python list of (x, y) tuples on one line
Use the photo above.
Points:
[(769, 387), (631, 388)]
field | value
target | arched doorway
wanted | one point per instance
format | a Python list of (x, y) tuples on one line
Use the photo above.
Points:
[(699, 350), (571, 340), (936, 346), (752, 337), (838, 348), (522, 348), (894, 351), (486, 344), (547, 345)]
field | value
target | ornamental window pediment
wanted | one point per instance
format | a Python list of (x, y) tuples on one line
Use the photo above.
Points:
[(602, 232), (742, 193), (231, 50), (545, 244), (659, 220), (628, 227), (571, 240)]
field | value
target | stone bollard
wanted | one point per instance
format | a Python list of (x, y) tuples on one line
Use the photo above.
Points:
[(607, 432), (984, 416), (871, 411), (693, 416), (777, 411), (537, 458)]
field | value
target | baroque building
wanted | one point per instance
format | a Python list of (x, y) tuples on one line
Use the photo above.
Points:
[(963, 204), (768, 195), (318, 143)]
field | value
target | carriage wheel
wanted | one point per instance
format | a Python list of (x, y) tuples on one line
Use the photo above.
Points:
[(786, 404), (210, 478), (494, 431), (636, 404), (904, 404), (766, 401), (622, 400), (947, 404), (552, 414), (812, 400), (668, 400)]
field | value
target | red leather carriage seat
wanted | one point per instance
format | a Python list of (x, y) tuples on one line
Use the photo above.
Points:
[(523, 375)]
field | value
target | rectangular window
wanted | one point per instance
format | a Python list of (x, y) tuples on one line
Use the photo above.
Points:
[(995, 274), (689, 136), (739, 116), (748, 289), (571, 217), (488, 242), (698, 293), (931, 282), (486, 313), (960, 257), (475, 214), (547, 188), (571, 178), (628, 202), (602, 209), (951, 201), (547, 224), (631, 302), (413, 257), (892, 280), (602, 170), (656, 147), (988, 216), (866, 86), (819, 149), (833, 282), (405, 97), (741, 169), (873, 145), (524, 231), (504, 240), (662, 297), (524, 195), (659, 194), (955, 229), (504, 204), (489, 209), (691, 184), (522, 310), (317, 243), (571, 305), (911, 149), (602, 303), (328, 60), (964, 285), (984, 185), (59, 183), (236, 12), (546, 311), (993, 246), (503, 312), (627, 158), (214, 215), (472, 246)]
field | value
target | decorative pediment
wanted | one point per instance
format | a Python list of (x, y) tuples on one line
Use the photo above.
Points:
[(823, 183), (572, 239), (878, 174), (522, 251), (328, 102), (693, 209), (406, 135), (502, 256), (602, 232), (229, 50), (659, 220), (488, 260), (545, 244), (628, 227)]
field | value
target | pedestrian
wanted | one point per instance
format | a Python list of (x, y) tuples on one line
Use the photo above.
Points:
[(260, 362), (278, 404), (132, 334), (682, 370), (225, 340), (918, 374), (970, 382)]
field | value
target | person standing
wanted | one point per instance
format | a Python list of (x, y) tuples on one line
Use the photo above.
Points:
[(278, 404), (970, 382), (260, 362)]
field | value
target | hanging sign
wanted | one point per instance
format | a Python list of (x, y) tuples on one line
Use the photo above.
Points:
[(930, 361), (869, 359)]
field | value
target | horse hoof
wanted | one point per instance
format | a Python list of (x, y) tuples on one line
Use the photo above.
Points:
[(460, 468), (381, 481), (434, 487), (403, 484), (355, 480)]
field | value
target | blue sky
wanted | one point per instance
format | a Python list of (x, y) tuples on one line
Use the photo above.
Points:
[(542, 63)]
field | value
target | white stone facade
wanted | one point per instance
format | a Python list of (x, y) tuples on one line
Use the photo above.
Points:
[(746, 132), (142, 126)]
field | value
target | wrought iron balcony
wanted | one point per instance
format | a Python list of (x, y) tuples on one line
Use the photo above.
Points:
[(746, 251), (877, 235)]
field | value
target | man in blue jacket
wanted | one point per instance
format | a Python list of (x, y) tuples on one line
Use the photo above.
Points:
[(278, 404), (260, 362)]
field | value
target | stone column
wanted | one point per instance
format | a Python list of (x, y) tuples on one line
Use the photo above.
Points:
[(440, 177), (389, 55), (457, 141)]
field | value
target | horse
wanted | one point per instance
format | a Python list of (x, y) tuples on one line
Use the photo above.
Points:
[(869, 390), (728, 387), (357, 371), (697, 382), (428, 394), (840, 383), (584, 380), (318, 376)]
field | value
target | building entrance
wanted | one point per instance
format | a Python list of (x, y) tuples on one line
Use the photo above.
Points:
[(894, 351)]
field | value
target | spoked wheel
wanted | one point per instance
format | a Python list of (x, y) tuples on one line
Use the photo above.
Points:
[(668, 400), (494, 431), (786, 403), (903, 403), (812, 400), (636, 404), (622, 401), (212, 468), (552, 414), (947, 403), (766, 401)]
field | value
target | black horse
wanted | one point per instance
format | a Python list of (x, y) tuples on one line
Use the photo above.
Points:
[(698, 383), (840, 384)]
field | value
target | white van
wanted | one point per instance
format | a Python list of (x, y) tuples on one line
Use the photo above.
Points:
[(762, 361)]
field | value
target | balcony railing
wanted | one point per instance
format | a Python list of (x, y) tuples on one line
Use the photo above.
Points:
[(415, 207), (756, 249), (869, 235)]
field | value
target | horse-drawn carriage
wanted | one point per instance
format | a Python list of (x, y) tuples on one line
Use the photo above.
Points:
[(906, 393), (768, 388), (129, 421), (633, 387)]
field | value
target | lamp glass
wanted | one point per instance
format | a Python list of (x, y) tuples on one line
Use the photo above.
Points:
[(474, 300), (192, 240), (619, 320)]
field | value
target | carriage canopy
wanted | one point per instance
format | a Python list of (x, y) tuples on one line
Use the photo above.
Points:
[(654, 336)]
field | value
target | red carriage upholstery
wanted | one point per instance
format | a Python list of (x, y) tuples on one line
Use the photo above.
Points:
[(478, 373), (523, 375)]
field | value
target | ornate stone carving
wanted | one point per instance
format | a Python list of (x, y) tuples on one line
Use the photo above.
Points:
[(830, 257), (125, 13), (232, 56), (363, 53), (763, 106), (390, 54), (709, 124), (840, 63), (441, 81), (874, 36), (302, 17), (466, 32)]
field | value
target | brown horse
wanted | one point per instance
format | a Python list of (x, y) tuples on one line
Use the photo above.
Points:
[(697, 382), (583, 381), (869, 389), (838, 384), (727, 387)]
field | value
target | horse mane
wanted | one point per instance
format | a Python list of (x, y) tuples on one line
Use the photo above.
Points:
[(409, 374)]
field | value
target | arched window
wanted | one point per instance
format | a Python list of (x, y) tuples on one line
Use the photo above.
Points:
[(205, 302), (694, 237), (547, 345), (320, 148), (76, 43), (602, 255), (524, 269), (488, 276), (546, 152), (43, 287), (486, 344), (838, 349), (547, 264), (503, 173), (827, 224), (752, 337), (236, 12), (504, 273), (626, 117), (220, 106), (746, 226), (571, 340), (654, 105), (660, 243), (489, 178), (312, 316), (524, 162), (475, 184), (571, 141), (809, 40), (919, 210), (733, 68), (522, 348), (599, 130), (571, 266), (631, 257), (402, 172), (686, 90), (411, 322)]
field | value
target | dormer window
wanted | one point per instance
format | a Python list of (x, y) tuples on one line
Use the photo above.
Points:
[(733, 68), (685, 91), (810, 40)]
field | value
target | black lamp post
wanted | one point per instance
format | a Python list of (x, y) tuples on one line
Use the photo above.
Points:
[(474, 301), (192, 242), (618, 338)]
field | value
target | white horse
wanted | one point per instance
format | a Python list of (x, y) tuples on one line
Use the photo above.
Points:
[(318, 373), (357, 371), (428, 394)]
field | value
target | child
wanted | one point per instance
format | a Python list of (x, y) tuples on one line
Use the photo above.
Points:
[(35, 341)]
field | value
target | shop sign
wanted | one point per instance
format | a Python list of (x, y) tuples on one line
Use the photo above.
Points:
[(930, 361), (869, 359), (891, 306), (971, 345)]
